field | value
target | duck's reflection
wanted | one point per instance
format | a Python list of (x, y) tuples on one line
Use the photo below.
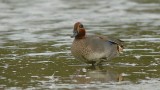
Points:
[(94, 74)]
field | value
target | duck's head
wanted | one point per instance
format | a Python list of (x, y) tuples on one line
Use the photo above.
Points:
[(78, 31)]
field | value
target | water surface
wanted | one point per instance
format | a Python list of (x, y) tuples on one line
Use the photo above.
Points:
[(35, 44)]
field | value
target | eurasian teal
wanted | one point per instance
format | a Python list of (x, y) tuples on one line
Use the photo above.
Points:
[(94, 49)]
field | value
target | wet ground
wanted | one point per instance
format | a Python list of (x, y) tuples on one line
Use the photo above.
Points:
[(35, 44)]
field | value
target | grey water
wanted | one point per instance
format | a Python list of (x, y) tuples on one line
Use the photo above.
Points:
[(35, 44)]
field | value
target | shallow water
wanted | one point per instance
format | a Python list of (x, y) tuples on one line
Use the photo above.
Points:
[(35, 44)]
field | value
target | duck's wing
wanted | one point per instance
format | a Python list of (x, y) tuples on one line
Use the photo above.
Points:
[(119, 42)]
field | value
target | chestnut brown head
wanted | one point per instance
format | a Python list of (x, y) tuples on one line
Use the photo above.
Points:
[(78, 31)]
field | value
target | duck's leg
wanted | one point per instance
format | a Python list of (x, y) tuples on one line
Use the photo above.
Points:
[(93, 63), (98, 63)]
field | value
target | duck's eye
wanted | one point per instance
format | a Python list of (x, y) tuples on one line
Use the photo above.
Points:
[(81, 26)]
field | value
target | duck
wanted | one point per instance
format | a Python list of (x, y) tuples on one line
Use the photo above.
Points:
[(94, 49)]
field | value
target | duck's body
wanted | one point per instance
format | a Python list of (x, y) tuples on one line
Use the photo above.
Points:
[(94, 49)]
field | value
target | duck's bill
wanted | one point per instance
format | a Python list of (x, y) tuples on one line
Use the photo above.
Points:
[(74, 34)]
